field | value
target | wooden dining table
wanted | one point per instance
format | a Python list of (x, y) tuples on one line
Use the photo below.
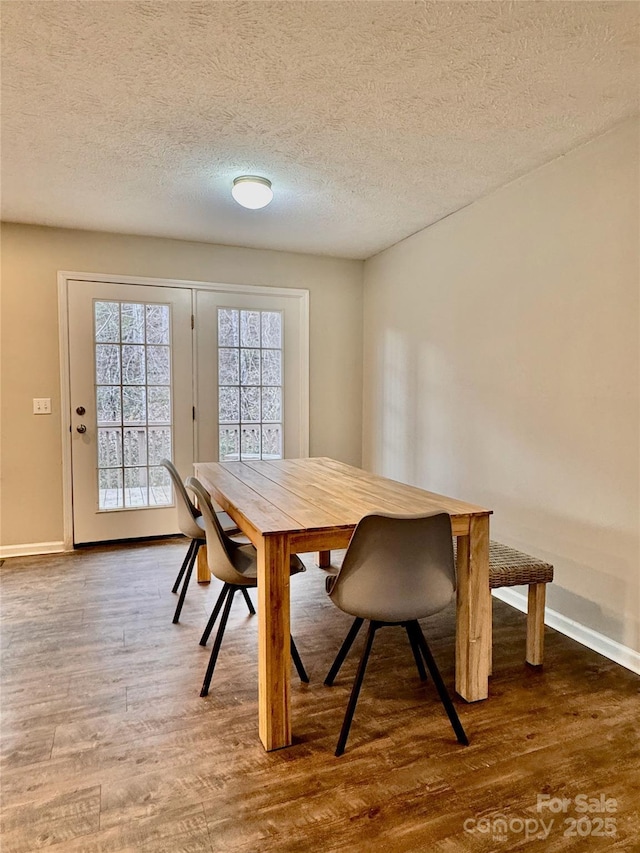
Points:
[(290, 506)]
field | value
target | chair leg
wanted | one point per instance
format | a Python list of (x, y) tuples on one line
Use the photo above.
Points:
[(246, 597), (535, 624), (415, 648), (439, 683), (185, 584), (183, 567), (298, 662), (344, 651), (355, 691), (214, 615), (231, 591)]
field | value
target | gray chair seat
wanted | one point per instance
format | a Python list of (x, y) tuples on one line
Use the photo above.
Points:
[(231, 529), (226, 522)]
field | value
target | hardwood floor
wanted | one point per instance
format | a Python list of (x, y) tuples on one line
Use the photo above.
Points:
[(107, 746)]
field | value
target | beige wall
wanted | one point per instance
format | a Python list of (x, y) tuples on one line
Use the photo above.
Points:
[(31, 258), (502, 366)]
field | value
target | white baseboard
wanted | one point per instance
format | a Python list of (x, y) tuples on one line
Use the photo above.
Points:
[(593, 640), (31, 549)]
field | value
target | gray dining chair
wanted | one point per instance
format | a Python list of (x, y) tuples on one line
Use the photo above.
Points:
[(236, 565), (397, 570), (191, 525)]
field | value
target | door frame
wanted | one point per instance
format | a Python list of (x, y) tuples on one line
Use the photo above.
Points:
[(64, 276)]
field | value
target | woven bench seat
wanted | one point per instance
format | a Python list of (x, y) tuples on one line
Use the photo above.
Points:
[(508, 567)]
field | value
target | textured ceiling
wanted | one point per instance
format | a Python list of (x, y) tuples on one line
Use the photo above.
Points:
[(372, 119)]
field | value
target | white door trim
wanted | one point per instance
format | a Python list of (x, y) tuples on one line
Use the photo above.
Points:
[(261, 289), (65, 408), (64, 276)]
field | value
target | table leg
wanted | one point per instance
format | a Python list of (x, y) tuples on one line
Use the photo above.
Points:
[(473, 614), (274, 657), (204, 575), (324, 559)]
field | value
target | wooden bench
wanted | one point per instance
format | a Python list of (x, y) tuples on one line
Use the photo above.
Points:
[(508, 567)]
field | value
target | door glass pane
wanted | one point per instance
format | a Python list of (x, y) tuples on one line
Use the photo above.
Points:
[(228, 327), (136, 493), (135, 447), (250, 328), (250, 395), (272, 329), (108, 322), (159, 405), (159, 487), (229, 404), (250, 444), (272, 405), (250, 405), (133, 366), (109, 448), (271, 367), (157, 324), (133, 404), (229, 442), (158, 366), (249, 366), (110, 488), (132, 323), (159, 444), (272, 441), (108, 401), (228, 367), (108, 364)]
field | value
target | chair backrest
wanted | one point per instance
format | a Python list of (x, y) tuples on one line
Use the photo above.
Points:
[(222, 553), (187, 513), (397, 568)]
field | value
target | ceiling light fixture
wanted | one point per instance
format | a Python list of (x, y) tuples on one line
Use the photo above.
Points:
[(251, 191)]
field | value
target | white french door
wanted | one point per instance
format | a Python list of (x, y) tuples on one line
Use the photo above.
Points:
[(130, 369), (138, 395)]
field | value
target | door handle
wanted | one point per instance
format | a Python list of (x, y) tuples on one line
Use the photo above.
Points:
[(81, 428), (80, 410)]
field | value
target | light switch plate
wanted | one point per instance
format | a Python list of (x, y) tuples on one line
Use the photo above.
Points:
[(42, 405)]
